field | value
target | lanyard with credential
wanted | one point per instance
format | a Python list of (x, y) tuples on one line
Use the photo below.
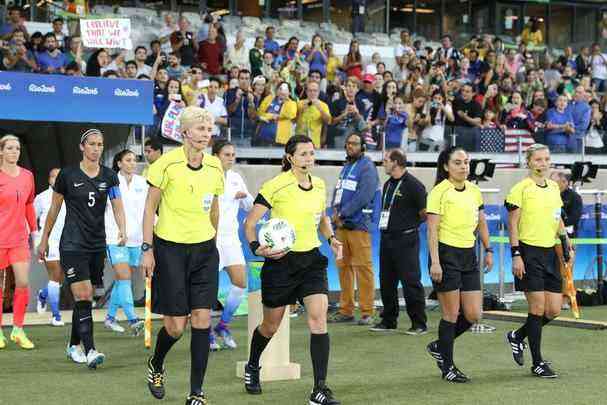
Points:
[(345, 176), (393, 196)]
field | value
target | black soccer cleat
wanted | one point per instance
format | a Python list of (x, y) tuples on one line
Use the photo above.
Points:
[(196, 399), (543, 370), (432, 349), (323, 396), (452, 374), (251, 379), (517, 346), (156, 380)]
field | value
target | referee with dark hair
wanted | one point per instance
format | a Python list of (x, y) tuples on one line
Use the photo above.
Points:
[(179, 251), (403, 210)]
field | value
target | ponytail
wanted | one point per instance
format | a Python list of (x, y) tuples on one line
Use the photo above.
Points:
[(443, 160), (290, 149)]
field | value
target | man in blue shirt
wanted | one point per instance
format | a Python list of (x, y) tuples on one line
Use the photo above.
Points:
[(580, 113), (14, 22), (240, 103), (353, 202), (53, 60), (269, 45)]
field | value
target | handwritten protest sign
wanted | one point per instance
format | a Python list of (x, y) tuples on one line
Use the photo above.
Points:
[(170, 123), (107, 33)]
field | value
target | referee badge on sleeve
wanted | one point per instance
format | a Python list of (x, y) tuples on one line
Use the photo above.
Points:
[(207, 201)]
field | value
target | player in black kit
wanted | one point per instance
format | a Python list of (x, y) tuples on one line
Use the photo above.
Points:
[(85, 188)]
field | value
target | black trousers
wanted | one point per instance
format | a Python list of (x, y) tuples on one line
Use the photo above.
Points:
[(399, 263)]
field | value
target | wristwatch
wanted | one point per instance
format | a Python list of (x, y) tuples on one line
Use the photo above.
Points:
[(145, 247)]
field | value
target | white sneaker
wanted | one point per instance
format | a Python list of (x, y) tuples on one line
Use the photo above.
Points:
[(40, 305), (57, 322), (113, 325), (137, 327), (94, 358), (75, 354)]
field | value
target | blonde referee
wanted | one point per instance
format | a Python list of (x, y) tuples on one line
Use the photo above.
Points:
[(179, 251)]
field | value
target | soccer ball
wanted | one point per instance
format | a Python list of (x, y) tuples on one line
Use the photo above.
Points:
[(278, 234)]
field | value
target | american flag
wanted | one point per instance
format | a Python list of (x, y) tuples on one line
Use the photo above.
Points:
[(511, 139), (491, 140)]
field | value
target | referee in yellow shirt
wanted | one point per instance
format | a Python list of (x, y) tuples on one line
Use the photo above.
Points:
[(455, 212), (534, 219), (299, 274), (179, 251)]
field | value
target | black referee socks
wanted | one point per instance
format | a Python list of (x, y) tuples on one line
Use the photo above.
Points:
[(199, 355), (164, 342), (446, 337), (534, 334), (521, 333), (461, 325), (85, 324), (258, 345), (319, 351)]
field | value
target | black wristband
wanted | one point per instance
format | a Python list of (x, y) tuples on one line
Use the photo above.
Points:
[(254, 246), (489, 250), (515, 251)]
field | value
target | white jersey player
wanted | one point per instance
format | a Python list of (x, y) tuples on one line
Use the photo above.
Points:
[(235, 197), (50, 294)]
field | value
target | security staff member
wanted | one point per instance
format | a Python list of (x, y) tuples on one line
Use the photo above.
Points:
[(352, 205), (403, 209), (572, 203)]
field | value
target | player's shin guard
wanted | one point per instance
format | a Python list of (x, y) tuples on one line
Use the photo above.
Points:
[(85, 324), (319, 351), (75, 336), (20, 301), (232, 303), (199, 355), (114, 303), (53, 298), (126, 299)]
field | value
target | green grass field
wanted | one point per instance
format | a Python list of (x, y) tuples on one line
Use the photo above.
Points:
[(365, 368)]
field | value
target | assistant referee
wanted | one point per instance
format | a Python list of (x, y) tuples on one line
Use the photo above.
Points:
[(179, 251), (299, 274), (455, 212), (534, 218)]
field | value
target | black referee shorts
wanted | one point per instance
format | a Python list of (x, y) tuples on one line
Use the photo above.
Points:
[(293, 277), (79, 266), (185, 277), (541, 270), (460, 269)]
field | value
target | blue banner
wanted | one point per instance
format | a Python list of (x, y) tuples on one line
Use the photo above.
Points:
[(585, 259), (33, 97)]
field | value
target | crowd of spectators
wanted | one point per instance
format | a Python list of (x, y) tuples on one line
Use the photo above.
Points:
[(482, 95)]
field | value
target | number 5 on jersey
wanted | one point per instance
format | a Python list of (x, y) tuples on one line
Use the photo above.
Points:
[(91, 202)]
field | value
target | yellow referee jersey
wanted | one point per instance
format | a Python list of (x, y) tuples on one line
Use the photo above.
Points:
[(303, 209), (540, 211), (187, 195), (458, 210)]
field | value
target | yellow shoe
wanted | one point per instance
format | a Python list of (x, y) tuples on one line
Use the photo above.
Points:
[(20, 338), (2, 341)]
